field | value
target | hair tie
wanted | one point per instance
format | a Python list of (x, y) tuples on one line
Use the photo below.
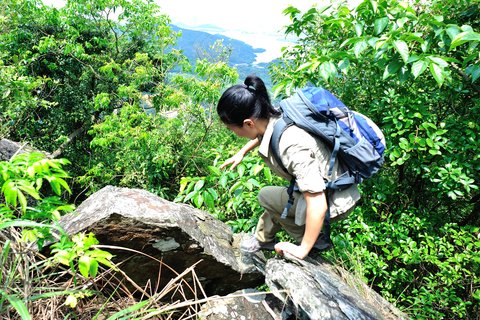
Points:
[(250, 88)]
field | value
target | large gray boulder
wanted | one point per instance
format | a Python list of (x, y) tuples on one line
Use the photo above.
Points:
[(9, 148), (158, 232), (320, 290)]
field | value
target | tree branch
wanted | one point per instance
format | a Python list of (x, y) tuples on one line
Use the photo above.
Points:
[(70, 138)]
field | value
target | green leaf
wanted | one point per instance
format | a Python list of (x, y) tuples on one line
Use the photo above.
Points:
[(214, 170), (10, 192), (392, 68), (107, 263), (223, 181), (22, 201), (198, 200), (17, 304), (343, 65), (348, 42), (29, 224), (402, 49), (97, 253), (235, 186), (64, 184), (419, 67), (256, 169), (63, 257), (254, 182), (453, 31), (314, 65), (31, 171), (359, 48), (358, 29), (183, 184), (268, 174), (213, 192), (190, 196), (440, 61), (55, 185), (463, 37), (93, 268), (473, 71), (379, 25), (241, 170), (327, 70), (199, 185), (374, 5), (304, 66), (30, 190), (437, 73), (209, 199), (84, 264)]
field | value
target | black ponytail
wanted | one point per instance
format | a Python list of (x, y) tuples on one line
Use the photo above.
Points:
[(244, 101)]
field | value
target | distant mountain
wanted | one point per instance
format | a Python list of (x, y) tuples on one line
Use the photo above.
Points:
[(197, 44)]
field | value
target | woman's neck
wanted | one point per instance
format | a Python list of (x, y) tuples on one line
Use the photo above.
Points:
[(261, 125)]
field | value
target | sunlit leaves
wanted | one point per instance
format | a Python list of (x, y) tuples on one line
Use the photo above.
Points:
[(464, 37), (379, 25), (359, 48), (391, 31), (402, 49), (437, 72), (81, 250), (228, 194), (418, 74), (23, 177), (418, 67)]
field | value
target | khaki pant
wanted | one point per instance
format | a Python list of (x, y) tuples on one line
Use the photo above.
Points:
[(273, 200)]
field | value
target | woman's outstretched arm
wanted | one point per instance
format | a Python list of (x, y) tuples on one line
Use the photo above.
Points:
[(238, 157)]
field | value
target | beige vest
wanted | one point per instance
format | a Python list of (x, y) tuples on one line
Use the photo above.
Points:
[(307, 158)]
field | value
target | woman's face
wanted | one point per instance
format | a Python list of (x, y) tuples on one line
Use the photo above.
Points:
[(248, 130)]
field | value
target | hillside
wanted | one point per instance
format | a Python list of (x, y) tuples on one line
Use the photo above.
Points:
[(197, 44)]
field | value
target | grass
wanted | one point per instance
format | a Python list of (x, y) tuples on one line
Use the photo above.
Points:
[(32, 286)]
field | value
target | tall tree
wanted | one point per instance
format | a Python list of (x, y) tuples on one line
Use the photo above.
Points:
[(66, 69)]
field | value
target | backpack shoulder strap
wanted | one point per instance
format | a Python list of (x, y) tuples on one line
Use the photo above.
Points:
[(282, 124)]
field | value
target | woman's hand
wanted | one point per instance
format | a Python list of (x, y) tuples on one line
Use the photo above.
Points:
[(299, 252), (234, 161), (238, 157)]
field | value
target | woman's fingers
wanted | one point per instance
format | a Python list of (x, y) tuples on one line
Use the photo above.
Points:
[(290, 248)]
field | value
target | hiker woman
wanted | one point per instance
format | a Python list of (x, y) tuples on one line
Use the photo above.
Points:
[(247, 111)]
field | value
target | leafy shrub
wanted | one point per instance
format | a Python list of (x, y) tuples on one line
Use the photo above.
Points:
[(24, 176), (230, 195), (414, 68), (431, 275), (29, 208)]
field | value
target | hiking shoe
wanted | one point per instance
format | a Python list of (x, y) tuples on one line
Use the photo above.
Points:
[(251, 244)]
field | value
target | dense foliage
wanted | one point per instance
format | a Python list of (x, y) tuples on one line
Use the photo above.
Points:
[(415, 69), (66, 70), (32, 203), (100, 83)]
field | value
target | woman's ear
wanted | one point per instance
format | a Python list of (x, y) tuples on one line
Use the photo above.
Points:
[(249, 123)]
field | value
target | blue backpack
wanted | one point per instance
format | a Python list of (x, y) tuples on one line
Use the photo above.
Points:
[(355, 139)]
